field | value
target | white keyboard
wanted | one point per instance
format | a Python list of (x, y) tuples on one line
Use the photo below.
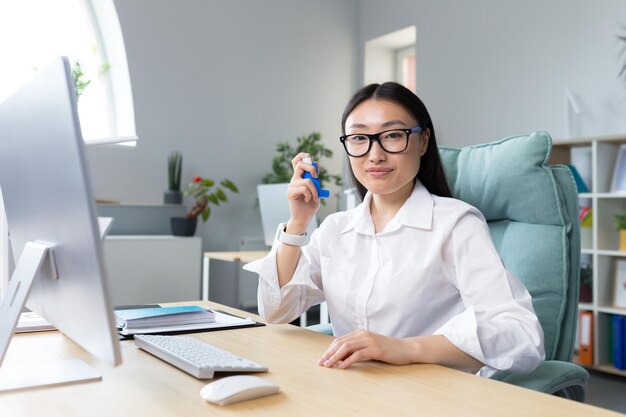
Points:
[(195, 357)]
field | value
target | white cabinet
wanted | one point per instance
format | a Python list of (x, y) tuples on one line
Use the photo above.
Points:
[(153, 269), (602, 250)]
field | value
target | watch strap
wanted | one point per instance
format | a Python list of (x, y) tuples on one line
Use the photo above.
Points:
[(292, 240)]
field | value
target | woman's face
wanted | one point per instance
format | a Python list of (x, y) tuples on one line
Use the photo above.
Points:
[(380, 172)]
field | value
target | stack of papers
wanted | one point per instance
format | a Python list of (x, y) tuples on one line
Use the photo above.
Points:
[(164, 320), (143, 319)]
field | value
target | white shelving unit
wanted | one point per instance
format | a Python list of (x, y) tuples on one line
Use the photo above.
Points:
[(603, 251)]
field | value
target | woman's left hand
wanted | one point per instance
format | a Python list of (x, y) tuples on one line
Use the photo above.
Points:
[(361, 345)]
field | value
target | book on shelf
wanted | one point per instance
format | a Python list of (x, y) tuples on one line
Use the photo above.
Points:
[(619, 284), (580, 183), (585, 293), (164, 320), (585, 337), (619, 339), (584, 216), (618, 184), (580, 158)]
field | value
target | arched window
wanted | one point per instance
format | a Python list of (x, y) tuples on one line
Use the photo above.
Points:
[(33, 32)]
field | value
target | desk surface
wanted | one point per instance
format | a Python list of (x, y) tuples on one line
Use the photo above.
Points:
[(145, 386), (240, 256)]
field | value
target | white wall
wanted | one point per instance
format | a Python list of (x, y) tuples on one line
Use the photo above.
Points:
[(487, 69), (378, 63), (223, 82)]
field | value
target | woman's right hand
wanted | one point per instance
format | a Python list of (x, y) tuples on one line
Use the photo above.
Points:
[(302, 196)]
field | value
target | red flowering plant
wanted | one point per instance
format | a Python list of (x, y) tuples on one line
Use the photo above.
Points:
[(200, 189)]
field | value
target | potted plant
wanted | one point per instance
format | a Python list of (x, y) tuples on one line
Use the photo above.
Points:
[(174, 168), (281, 164), (620, 224), (201, 189), (272, 192)]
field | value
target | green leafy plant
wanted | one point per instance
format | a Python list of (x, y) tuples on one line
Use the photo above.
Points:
[(79, 82), (620, 220), (174, 168), (311, 144), (201, 190)]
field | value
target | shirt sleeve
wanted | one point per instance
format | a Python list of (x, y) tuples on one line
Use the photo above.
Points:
[(282, 305), (499, 326)]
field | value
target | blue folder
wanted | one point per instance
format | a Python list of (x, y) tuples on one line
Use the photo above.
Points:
[(142, 313)]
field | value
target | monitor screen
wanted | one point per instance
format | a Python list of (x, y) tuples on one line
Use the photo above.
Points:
[(47, 196)]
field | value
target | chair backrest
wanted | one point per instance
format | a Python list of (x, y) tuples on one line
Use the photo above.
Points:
[(532, 212)]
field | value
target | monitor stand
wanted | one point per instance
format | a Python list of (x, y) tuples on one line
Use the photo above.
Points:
[(36, 262)]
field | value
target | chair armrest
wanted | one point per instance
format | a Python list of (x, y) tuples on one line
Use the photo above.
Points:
[(560, 378)]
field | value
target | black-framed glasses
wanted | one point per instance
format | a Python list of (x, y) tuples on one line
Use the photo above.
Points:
[(392, 141)]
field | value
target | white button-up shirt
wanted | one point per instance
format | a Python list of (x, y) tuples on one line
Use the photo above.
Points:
[(432, 270)]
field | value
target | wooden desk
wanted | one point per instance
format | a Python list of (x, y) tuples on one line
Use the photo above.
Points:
[(146, 386)]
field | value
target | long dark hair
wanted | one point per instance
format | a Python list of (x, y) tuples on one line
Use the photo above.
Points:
[(431, 172)]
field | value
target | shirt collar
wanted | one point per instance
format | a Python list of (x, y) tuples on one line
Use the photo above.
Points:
[(416, 212)]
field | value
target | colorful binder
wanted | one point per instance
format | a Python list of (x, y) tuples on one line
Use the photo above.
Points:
[(619, 334), (585, 337)]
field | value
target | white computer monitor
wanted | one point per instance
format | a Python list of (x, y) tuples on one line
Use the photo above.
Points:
[(53, 227), (274, 209)]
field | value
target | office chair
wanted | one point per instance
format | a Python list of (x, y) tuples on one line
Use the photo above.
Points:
[(532, 212)]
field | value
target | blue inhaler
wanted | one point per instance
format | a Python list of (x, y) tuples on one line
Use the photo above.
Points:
[(320, 192)]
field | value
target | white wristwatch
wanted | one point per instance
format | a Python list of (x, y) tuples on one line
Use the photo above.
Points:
[(292, 240)]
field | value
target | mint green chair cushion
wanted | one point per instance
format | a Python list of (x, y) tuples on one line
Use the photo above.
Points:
[(532, 212)]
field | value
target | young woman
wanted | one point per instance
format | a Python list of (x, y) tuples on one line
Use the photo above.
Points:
[(410, 275)]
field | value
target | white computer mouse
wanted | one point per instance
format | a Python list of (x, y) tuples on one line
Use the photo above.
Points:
[(237, 388)]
